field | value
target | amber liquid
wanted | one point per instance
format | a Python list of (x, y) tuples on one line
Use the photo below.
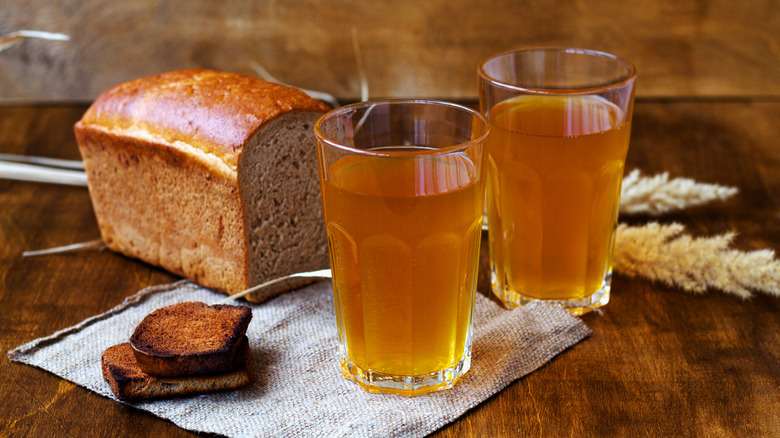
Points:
[(554, 176), (404, 240)]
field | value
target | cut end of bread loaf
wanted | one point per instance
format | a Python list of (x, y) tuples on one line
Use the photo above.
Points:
[(279, 184), (129, 382), (190, 338)]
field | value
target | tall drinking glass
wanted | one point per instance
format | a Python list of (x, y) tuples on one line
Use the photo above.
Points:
[(560, 125), (402, 190)]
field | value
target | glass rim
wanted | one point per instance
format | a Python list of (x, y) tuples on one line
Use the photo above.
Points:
[(622, 81), (390, 153)]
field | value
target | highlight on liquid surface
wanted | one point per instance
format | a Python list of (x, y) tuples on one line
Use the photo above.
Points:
[(404, 237), (555, 166)]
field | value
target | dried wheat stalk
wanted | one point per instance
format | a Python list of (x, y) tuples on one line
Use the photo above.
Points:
[(359, 62), (321, 95), (83, 246), (658, 194), (11, 39), (666, 254)]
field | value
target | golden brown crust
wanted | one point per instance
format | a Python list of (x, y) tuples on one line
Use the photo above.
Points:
[(213, 111), (190, 338), (157, 206)]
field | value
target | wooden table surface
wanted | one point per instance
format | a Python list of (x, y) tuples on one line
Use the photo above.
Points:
[(660, 362)]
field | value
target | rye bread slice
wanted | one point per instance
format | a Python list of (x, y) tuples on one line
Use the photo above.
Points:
[(190, 338), (129, 382)]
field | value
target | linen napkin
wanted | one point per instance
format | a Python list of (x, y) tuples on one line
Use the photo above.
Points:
[(299, 389)]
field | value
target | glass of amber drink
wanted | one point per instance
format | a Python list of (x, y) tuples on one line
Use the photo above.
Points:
[(560, 124), (403, 196)]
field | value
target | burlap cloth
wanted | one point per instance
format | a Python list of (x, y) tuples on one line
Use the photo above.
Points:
[(300, 390)]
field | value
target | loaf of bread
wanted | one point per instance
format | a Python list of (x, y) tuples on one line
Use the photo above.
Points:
[(209, 175)]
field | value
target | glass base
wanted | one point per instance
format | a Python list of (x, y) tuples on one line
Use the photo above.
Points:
[(575, 306), (408, 386)]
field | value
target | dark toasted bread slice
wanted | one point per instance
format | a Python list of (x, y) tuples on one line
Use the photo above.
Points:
[(129, 382), (190, 338)]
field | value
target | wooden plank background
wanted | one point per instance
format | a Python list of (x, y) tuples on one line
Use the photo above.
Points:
[(700, 48)]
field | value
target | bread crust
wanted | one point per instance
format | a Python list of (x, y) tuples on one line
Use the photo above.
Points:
[(210, 110), (190, 338), (157, 204)]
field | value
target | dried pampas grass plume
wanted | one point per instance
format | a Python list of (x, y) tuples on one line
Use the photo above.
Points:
[(664, 253), (658, 194)]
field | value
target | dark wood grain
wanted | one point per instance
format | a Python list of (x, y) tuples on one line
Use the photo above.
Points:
[(409, 48), (660, 362)]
